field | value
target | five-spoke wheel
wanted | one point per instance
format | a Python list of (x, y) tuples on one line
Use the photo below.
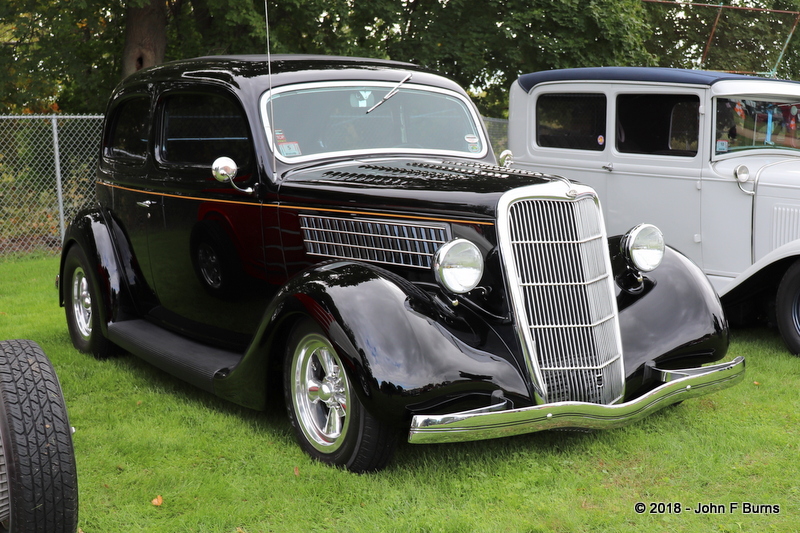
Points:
[(83, 305), (330, 422)]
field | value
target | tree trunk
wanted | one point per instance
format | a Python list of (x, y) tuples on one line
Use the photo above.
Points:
[(145, 37)]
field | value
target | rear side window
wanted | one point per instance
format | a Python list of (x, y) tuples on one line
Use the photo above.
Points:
[(199, 128), (658, 124), (576, 121), (130, 125)]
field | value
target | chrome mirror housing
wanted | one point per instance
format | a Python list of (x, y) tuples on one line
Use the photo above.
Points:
[(506, 158), (742, 175), (224, 170)]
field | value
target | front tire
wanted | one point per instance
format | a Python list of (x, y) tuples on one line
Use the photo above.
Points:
[(38, 478), (330, 422), (83, 305), (787, 308)]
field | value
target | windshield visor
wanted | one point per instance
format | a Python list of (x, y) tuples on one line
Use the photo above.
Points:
[(335, 119), (745, 124)]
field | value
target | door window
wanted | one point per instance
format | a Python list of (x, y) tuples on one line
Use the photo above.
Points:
[(199, 128), (130, 125), (658, 124), (576, 121)]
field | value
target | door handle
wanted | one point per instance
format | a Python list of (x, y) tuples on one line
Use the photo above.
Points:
[(146, 203), (608, 166)]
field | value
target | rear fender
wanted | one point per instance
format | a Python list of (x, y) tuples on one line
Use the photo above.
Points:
[(115, 269)]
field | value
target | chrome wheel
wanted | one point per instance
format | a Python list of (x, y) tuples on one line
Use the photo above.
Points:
[(320, 393), (81, 303)]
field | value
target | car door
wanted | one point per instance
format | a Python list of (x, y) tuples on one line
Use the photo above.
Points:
[(655, 168), (207, 255), (125, 170)]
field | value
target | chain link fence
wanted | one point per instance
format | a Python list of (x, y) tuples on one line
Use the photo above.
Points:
[(47, 174), (498, 133)]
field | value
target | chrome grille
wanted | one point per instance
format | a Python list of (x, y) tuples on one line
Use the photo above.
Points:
[(566, 306), (376, 241)]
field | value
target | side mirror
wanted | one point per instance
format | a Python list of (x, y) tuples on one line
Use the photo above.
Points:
[(224, 170), (506, 158), (742, 175)]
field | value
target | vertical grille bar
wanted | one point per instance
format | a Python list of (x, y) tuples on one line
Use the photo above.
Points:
[(563, 274)]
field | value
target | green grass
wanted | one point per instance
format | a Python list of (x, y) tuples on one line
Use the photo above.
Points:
[(219, 468)]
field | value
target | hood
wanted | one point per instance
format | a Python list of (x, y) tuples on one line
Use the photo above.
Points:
[(429, 187), (784, 173)]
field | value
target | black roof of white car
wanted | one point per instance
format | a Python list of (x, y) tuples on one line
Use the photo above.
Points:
[(649, 74)]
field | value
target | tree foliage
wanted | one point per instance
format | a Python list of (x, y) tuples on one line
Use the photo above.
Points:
[(727, 36), (68, 54)]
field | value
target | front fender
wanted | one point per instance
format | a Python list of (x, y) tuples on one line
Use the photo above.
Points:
[(400, 355), (676, 321), (776, 262)]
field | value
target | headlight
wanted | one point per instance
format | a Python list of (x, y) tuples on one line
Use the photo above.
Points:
[(458, 265), (643, 247)]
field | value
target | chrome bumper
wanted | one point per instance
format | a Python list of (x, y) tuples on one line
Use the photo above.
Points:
[(498, 421)]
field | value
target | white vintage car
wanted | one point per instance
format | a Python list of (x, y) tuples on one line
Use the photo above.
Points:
[(712, 159)]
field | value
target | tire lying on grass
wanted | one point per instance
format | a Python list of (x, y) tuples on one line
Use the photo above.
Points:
[(38, 479)]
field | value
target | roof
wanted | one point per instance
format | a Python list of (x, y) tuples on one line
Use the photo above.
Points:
[(648, 74), (242, 70)]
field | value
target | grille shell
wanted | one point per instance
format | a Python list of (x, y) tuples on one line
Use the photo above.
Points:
[(559, 272)]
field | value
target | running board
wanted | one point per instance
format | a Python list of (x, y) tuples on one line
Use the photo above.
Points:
[(188, 360)]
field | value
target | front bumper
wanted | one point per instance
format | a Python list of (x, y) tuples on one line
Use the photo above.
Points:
[(498, 421)]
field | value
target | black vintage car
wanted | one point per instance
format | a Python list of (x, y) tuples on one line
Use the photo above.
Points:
[(338, 228)]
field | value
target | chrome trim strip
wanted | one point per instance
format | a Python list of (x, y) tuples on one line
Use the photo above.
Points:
[(488, 423)]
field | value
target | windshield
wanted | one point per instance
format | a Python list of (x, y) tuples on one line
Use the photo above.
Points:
[(314, 121), (746, 124)]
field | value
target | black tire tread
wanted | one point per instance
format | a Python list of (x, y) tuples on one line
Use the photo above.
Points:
[(786, 299), (37, 442)]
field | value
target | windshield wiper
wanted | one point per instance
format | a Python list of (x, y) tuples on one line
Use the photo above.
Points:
[(389, 94)]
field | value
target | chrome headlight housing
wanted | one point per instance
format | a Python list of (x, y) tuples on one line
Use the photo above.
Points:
[(458, 266), (643, 247)]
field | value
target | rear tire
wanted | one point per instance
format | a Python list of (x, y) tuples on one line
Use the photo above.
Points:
[(38, 479), (329, 421), (83, 304), (787, 308)]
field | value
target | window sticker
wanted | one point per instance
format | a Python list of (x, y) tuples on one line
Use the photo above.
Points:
[(279, 136), (601, 140), (722, 146), (289, 149), (473, 143)]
